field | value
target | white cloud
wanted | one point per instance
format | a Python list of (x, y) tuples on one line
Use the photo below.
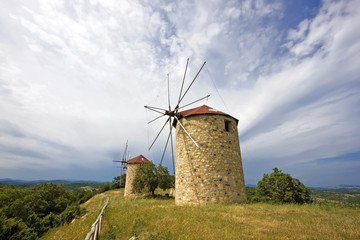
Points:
[(300, 32), (307, 111), (75, 75), (331, 20)]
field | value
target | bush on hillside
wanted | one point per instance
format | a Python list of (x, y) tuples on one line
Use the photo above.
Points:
[(279, 187), (105, 187)]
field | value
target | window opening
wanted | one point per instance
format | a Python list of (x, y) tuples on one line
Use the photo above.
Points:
[(227, 126)]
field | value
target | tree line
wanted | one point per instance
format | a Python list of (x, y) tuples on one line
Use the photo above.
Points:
[(27, 213)]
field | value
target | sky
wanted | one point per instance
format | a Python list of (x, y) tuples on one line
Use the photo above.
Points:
[(75, 76)]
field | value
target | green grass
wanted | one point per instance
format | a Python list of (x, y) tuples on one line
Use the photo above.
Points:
[(162, 219)]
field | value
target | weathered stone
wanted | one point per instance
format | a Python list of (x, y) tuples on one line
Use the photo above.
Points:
[(130, 175), (210, 174)]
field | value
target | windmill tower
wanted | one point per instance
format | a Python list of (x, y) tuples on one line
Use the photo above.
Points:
[(208, 158), (123, 166), (132, 166), (212, 172)]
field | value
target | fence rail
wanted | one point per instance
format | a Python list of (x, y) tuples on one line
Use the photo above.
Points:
[(96, 227)]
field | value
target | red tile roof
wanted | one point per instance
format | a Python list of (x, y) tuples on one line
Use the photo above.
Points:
[(204, 110), (201, 110), (138, 159)]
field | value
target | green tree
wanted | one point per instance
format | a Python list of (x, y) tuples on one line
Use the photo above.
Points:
[(70, 213), (83, 195), (250, 194), (164, 178), (148, 176), (279, 187), (145, 177), (116, 182)]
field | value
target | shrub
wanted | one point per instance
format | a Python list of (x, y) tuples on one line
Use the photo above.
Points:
[(70, 213), (279, 187), (51, 221), (83, 195)]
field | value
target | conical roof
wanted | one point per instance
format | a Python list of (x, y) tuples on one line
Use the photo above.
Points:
[(202, 110), (137, 160)]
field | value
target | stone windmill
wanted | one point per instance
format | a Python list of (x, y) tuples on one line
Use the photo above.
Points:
[(132, 166), (208, 159)]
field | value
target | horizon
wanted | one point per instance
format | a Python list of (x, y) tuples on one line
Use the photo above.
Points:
[(104, 182), (75, 77)]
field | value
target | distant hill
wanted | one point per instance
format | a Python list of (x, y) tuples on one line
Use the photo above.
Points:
[(334, 188), (327, 188), (10, 181), (349, 186)]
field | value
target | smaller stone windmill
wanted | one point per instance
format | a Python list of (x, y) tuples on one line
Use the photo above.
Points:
[(132, 166)]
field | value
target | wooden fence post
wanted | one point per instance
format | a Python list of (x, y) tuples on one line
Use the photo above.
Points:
[(96, 227)]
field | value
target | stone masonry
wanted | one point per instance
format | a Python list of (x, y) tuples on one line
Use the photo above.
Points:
[(212, 173), (130, 175), (132, 166)]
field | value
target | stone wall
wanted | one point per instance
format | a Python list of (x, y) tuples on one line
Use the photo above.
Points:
[(212, 173), (130, 175)]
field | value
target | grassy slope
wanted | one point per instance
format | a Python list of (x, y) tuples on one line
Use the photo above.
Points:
[(162, 219), (79, 227)]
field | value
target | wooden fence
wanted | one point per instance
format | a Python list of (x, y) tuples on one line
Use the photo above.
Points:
[(96, 227)]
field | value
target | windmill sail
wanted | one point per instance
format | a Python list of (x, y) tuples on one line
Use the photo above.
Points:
[(173, 116)]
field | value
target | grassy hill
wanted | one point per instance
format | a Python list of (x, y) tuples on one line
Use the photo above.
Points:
[(162, 219)]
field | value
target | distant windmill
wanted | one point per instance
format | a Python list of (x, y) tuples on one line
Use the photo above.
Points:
[(208, 159), (123, 165)]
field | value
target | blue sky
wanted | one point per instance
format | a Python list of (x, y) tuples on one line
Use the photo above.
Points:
[(75, 75)]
